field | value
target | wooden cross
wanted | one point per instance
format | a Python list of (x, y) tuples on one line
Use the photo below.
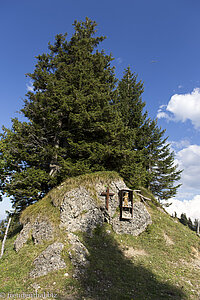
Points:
[(108, 195)]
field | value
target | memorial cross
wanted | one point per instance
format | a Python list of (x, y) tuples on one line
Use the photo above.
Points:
[(108, 195)]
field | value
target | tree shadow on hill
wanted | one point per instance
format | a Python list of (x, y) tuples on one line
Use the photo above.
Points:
[(111, 276)]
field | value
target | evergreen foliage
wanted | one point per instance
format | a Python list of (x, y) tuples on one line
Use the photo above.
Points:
[(72, 129), (188, 222), (183, 219), (159, 162), (130, 106), (2, 229), (155, 160), (79, 121)]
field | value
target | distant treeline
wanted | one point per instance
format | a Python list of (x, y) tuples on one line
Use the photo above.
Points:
[(188, 222)]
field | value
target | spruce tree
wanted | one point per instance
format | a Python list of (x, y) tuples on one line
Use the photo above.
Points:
[(72, 127), (162, 172), (130, 106), (190, 224), (155, 161), (183, 219), (2, 229), (130, 101)]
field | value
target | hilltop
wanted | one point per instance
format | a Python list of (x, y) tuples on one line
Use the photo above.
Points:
[(73, 246)]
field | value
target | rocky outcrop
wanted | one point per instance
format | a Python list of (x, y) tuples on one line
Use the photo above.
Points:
[(82, 211), (49, 260), (78, 254), (135, 226), (82, 208), (79, 212), (40, 230)]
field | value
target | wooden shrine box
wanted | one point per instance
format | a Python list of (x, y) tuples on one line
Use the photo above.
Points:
[(126, 204)]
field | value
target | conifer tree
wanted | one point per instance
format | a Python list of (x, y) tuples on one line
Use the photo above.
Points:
[(158, 171), (190, 224), (159, 163), (183, 219), (2, 229), (72, 127), (130, 105), (130, 101)]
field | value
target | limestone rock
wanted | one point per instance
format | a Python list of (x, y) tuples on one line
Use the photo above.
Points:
[(40, 230), (135, 226), (22, 237), (79, 211), (78, 254), (49, 260), (114, 187), (83, 209)]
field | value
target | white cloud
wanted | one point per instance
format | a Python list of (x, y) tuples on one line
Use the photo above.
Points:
[(182, 107), (189, 160), (29, 86), (163, 115), (188, 197), (191, 208), (178, 145)]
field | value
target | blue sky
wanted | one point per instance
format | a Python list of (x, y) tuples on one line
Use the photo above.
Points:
[(160, 40)]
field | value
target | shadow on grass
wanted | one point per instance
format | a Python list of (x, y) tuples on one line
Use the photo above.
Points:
[(110, 275)]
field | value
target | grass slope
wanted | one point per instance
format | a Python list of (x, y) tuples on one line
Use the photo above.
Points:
[(162, 263)]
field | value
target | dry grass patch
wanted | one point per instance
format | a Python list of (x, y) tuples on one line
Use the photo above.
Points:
[(196, 263), (132, 252), (195, 252), (168, 240)]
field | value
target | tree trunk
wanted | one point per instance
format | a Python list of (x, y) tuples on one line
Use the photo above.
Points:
[(54, 167), (4, 239)]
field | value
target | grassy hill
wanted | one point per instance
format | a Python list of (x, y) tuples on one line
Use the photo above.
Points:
[(162, 263)]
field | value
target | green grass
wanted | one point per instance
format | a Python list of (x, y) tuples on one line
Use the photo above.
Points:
[(163, 270), (148, 194), (158, 264), (15, 268), (44, 209)]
